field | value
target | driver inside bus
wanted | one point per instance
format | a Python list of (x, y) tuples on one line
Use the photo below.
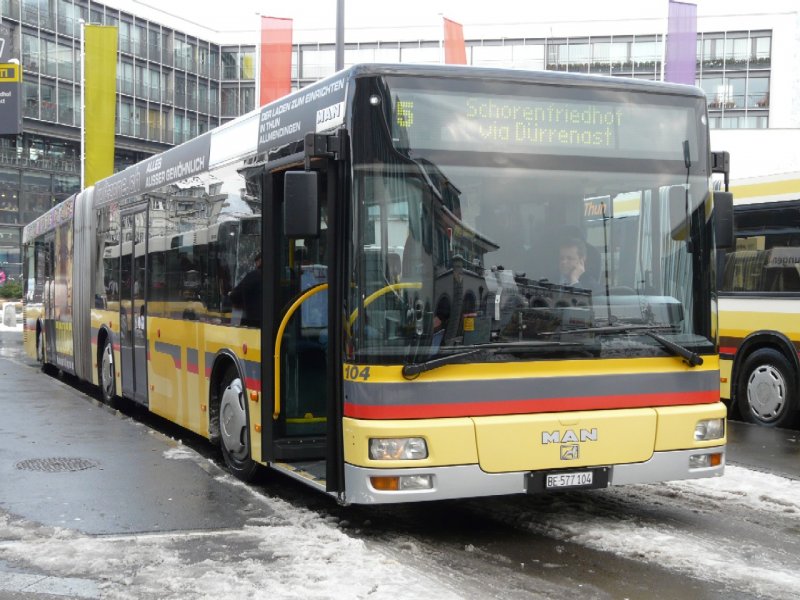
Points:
[(572, 264)]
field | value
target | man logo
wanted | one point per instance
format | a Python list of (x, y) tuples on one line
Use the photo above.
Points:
[(569, 435), (569, 452)]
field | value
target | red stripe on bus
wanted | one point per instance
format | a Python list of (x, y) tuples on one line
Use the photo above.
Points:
[(192, 367), (253, 384), (509, 407), (727, 350)]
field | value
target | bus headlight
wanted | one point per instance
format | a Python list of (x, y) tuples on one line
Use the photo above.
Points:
[(398, 448), (709, 429)]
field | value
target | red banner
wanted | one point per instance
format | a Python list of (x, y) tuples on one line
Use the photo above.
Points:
[(276, 59), (455, 52)]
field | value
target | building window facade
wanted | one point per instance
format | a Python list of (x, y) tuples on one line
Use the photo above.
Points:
[(733, 68)]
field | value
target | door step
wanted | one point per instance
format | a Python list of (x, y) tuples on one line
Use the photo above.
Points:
[(309, 472)]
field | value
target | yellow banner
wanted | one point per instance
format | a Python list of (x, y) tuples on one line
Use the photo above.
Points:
[(100, 97)]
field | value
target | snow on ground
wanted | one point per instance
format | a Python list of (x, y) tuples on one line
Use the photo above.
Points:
[(749, 489), (735, 563), (294, 554), (180, 452), (297, 553)]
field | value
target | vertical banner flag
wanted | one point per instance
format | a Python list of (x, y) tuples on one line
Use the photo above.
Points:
[(455, 52), (276, 59), (681, 51), (100, 98)]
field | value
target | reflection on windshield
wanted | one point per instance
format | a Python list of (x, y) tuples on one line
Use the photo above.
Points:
[(460, 257), (465, 243)]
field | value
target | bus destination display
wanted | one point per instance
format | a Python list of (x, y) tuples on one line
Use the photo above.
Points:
[(524, 124)]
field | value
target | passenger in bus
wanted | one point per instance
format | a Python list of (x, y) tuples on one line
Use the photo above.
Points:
[(572, 264), (247, 295)]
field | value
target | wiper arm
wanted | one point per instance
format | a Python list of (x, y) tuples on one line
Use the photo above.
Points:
[(692, 358), (413, 369)]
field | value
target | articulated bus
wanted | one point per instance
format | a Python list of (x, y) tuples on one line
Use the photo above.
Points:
[(406, 337), (759, 302)]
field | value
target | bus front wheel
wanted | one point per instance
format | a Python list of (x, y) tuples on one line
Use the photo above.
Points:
[(234, 427), (767, 390)]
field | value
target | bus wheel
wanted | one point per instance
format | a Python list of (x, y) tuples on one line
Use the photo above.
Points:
[(766, 394), (106, 376), (234, 428), (40, 348)]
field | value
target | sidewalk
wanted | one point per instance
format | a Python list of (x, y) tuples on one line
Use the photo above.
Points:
[(107, 473), (70, 462)]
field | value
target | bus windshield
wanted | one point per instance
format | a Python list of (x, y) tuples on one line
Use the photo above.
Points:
[(526, 219)]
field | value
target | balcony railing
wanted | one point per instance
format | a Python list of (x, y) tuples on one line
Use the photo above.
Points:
[(65, 165), (738, 101)]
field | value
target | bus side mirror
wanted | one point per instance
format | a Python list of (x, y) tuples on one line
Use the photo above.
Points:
[(723, 220), (300, 204)]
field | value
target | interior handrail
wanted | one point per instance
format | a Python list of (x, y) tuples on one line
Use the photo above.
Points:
[(279, 340)]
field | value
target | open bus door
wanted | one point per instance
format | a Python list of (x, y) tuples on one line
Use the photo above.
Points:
[(301, 350)]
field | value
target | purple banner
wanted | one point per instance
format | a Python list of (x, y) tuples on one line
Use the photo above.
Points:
[(681, 54)]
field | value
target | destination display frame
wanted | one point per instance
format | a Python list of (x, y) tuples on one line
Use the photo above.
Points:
[(549, 120)]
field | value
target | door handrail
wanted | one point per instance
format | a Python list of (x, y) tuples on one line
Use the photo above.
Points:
[(279, 340)]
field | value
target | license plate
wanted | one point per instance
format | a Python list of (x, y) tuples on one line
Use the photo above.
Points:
[(569, 480), (579, 479)]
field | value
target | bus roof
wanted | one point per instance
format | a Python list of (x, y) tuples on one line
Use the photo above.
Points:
[(520, 75)]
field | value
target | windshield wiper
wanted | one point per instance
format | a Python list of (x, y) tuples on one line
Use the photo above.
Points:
[(692, 358), (413, 369)]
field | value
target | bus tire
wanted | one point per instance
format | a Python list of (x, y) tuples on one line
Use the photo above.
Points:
[(106, 374), (40, 347), (234, 427), (767, 390)]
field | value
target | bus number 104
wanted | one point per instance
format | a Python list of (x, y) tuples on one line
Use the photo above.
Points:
[(352, 372)]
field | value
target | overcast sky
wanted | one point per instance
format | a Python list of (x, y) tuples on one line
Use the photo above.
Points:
[(315, 20), (315, 14)]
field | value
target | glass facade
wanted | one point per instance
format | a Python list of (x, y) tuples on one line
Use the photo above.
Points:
[(172, 86), (732, 67)]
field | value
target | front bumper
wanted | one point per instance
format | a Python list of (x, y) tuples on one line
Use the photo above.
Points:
[(468, 481)]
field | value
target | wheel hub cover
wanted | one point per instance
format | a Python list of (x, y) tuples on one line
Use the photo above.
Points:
[(233, 420), (766, 392)]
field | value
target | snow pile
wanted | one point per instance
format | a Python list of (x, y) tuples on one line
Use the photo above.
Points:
[(649, 523), (294, 554)]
